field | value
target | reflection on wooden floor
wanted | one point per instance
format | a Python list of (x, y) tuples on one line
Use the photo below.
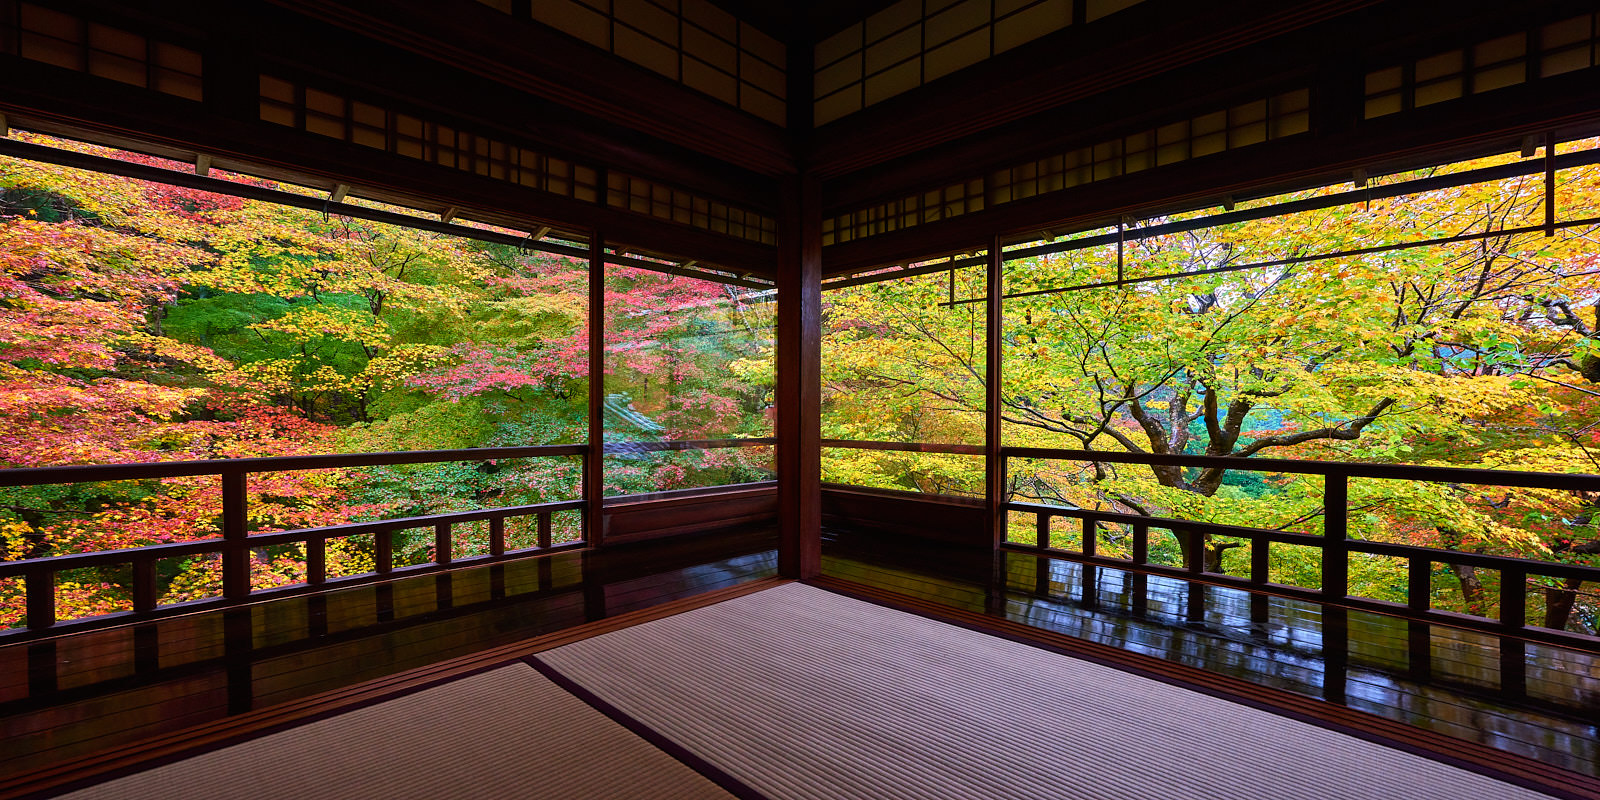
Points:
[(63, 698), (1541, 702)]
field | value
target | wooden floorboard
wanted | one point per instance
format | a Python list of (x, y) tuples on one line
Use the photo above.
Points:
[(1550, 714), (237, 728), (1470, 755), (72, 699)]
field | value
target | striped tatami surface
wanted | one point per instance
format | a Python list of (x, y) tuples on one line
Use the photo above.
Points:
[(803, 693), (506, 733), (798, 692)]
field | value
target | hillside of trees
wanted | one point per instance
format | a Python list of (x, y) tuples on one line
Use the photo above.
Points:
[(142, 323), (1480, 353)]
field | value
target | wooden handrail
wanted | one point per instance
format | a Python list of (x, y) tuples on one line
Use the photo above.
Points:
[(1334, 543), (1553, 569), (1405, 472), (687, 444), (106, 558), (39, 476), (907, 447), (236, 542)]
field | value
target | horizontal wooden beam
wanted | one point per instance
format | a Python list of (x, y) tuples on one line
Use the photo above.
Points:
[(1455, 130), (1332, 54), (51, 100), (1075, 63), (535, 59)]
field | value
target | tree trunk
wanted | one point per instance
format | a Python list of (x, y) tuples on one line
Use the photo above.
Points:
[(1214, 551), (1210, 551), (1558, 603), (1471, 589)]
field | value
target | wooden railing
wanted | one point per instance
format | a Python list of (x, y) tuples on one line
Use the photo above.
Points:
[(674, 445), (907, 447), (1335, 543), (236, 542)]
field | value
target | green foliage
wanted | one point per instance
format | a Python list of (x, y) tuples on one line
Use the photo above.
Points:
[(141, 322), (1479, 353)]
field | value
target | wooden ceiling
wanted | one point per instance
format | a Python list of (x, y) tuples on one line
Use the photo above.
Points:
[(699, 177)]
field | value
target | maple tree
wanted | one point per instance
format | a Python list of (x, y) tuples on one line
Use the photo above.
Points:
[(1476, 353), (141, 322)]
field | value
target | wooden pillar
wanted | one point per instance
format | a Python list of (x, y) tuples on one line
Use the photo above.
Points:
[(594, 460), (799, 368), (994, 465)]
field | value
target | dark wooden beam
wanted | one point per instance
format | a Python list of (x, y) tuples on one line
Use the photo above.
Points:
[(1332, 58), (243, 38), (691, 511), (942, 518), (1075, 63), (799, 371), (535, 59), (994, 327), (825, 17), (594, 464), (51, 100), (1469, 127)]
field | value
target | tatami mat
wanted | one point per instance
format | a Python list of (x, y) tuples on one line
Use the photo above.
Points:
[(507, 733), (802, 693)]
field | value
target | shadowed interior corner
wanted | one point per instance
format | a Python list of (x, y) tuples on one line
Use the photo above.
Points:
[(775, 394)]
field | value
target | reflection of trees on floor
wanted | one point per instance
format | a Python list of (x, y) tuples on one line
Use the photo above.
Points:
[(66, 697), (1365, 662)]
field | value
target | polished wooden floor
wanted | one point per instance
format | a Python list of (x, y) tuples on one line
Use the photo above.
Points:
[(64, 698), (1536, 701)]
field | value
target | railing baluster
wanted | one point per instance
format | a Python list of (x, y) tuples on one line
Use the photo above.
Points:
[(1419, 650), (1513, 597), (144, 584), (235, 532), (146, 648), (1513, 667), (1336, 535), (1419, 584), (383, 544), (497, 581), (545, 536), (43, 668), (441, 543), (1141, 594), (1089, 543), (1337, 545), (1089, 581), (1042, 533), (40, 585), (444, 591), (497, 536), (1260, 570), (316, 560), (1195, 594)]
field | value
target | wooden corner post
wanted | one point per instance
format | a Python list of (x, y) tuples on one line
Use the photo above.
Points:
[(594, 522), (799, 368), (994, 463)]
